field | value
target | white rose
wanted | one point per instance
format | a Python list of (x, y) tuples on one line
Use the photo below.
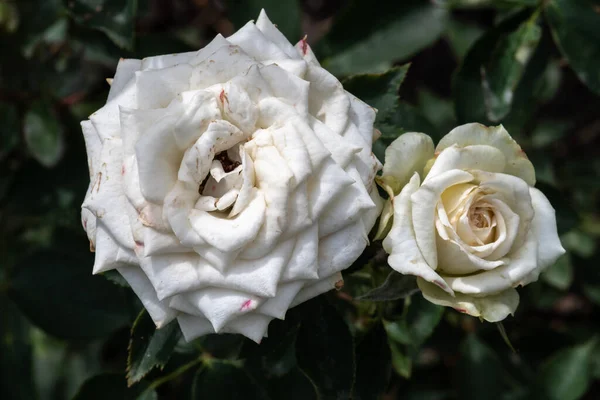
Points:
[(231, 183), (467, 220)]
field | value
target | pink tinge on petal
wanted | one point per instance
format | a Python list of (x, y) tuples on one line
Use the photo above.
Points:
[(247, 305), (304, 45)]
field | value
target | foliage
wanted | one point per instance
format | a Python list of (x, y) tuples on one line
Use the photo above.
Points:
[(531, 65)]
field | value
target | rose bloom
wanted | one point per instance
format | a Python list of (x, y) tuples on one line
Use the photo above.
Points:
[(467, 220), (231, 183)]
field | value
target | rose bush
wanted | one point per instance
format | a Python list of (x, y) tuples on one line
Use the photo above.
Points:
[(467, 220), (229, 184)]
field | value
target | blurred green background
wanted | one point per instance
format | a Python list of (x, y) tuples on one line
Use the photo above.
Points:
[(531, 65)]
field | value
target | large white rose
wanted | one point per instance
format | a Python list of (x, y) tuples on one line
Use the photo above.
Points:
[(467, 220), (231, 183)]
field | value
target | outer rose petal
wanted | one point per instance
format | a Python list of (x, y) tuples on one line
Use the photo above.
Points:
[(405, 255), (476, 157), (424, 201), (404, 156), (517, 163), (492, 308), (544, 227)]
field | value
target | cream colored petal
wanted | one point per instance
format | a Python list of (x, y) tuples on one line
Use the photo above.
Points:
[(405, 255), (517, 163), (424, 202), (405, 156), (492, 308), (475, 157), (545, 231)]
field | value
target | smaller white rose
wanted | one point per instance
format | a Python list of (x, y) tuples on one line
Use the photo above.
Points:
[(467, 220)]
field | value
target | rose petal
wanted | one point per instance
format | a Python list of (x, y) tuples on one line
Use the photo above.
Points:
[(424, 202), (159, 311), (405, 255), (517, 163), (492, 308), (405, 156), (474, 157)]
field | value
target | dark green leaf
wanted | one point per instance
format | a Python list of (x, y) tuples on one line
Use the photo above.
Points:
[(373, 359), (407, 334), (43, 134), (113, 386), (114, 18), (378, 90), (479, 372), (286, 14), (567, 374), (575, 26), (149, 347), (401, 359), (395, 287), (16, 368), (59, 294), (417, 323), (398, 30), (504, 69), (221, 380), (468, 84), (559, 275), (292, 386), (325, 350), (10, 130), (490, 3)]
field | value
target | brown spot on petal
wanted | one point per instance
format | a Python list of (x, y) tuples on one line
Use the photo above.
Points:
[(461, 310), (92, 247), (123, 169), (339, 284)]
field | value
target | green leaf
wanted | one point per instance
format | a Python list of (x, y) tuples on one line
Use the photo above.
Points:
[(407, 334), (373, 362), (399, 30), (325, 350), (559, 275), (378, 90), (505, 67), (9, 130), (416, 325), (149, 347), (575, 25), (567, 375), (468, 85), (479, 371), (286, 14), (113, 386), (225, 380), (60, 295), (401, 360), (16, 367), (395, 287), (43, 134), (114, 18)]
